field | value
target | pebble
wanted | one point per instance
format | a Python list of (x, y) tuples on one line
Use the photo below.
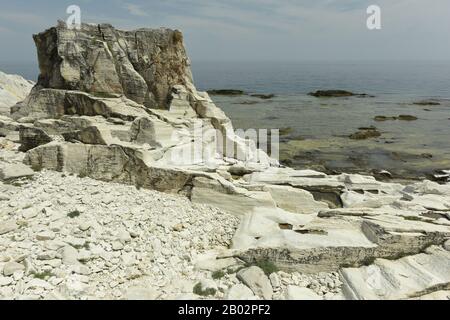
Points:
[(115, 243), (12, 267), (45, 235)]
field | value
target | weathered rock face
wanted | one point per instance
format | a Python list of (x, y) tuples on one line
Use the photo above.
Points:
[(141, 64), (407, 278), (120, 107), (13, 89)]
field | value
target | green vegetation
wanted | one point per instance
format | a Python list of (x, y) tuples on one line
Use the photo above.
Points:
[(267, 266), (208, 292), (412, 218), (43, 275), (219, 274), (85, 246), (74, 214), (82, 175)]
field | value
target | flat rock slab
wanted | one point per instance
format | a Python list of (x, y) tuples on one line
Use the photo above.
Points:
[(405, 278), (15, 171), (257, 281), (309, 243)]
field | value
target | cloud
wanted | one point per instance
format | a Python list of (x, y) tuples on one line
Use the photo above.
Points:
[(23, 18), (135, 10), (5, 30), (261, 29)]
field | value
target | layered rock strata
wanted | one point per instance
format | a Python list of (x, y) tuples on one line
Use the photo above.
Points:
[(121, 106)]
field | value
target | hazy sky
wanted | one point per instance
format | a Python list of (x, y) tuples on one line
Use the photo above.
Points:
[(252, 29)]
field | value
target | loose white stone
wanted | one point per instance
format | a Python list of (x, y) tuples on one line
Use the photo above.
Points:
[(240, 292), (299, 293), (255, 278), (5, 281), (45, 235), (8, 226), (11, 267), (447, 245), (69, 255)]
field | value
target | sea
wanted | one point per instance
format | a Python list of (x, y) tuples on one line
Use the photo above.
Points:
[(319, 128)]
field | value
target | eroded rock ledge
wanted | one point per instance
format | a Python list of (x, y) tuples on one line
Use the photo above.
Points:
[(121, 106)]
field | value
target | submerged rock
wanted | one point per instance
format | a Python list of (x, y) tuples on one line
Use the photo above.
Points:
[(263, 96), (406, 117), (337, 94), (384, 118), (427, 103), (226, 92), (331, 93), (365, 133), (403, 117)]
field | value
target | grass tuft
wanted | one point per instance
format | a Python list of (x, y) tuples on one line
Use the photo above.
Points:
[(74, 214), (208, 292), (219, 274), (43, 275)]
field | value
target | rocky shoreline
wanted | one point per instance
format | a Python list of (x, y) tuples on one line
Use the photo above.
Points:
[(113, 210)]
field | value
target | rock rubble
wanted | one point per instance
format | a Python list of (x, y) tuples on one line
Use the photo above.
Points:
[(107, 128)]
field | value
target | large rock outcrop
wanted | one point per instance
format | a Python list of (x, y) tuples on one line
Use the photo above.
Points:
[(13, 89), (121, 106), (143, 65)]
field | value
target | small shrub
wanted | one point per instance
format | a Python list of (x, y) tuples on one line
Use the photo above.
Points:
[(74, 214), (208, 292), (219, 274), (412, 218), (43, 275), (82, 175), (84, 246), (267, 266)]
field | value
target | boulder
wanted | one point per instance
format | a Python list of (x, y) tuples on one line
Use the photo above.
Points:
[(31, 137), (15, 171), (255, 278)]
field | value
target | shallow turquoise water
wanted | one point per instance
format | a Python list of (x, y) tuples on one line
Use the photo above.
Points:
[(329, 121)]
